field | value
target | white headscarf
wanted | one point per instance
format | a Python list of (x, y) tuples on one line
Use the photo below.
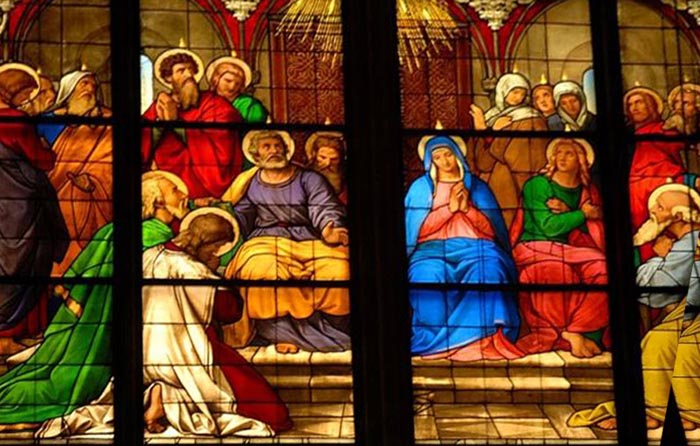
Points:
[(507, 83), (569, 87), (67, 86)]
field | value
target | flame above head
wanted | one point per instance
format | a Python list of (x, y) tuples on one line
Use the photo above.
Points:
[(268, 120), (38, 70), (234, 53), (686, 78), (438, 125), (637, 84), (564, 77), (567, 128), (515, 68), (83, 67), (543, 79), (181, 44)]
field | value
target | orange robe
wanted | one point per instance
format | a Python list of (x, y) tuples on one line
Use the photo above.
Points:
[(83, 149)]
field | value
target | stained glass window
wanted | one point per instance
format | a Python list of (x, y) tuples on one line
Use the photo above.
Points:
[(505, 236), (231, 194), (239, 123), (659, 66)]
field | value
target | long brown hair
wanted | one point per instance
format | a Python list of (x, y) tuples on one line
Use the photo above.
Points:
[(584, 170)]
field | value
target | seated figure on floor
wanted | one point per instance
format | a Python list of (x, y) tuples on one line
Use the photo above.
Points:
[(455, 234), (560, 241), (671, 349), (293, 227)]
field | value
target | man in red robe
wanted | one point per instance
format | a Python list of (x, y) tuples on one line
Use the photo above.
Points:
[(207, 160), (653, 161)]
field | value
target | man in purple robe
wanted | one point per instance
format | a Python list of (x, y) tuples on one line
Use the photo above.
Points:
[(294, 229)]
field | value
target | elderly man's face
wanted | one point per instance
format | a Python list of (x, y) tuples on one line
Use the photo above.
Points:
[(637, 108), (272, 153), (665, 203), (174, 200), (230, 83)]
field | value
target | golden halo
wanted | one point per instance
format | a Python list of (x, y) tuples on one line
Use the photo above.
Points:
[(176, 180), (221, 213), (673, 187), (657, 97), (27, 69), (309, 145), (590, 153), (162, 56), (240, 63), (248, 140), (457, 139), (677, 89)]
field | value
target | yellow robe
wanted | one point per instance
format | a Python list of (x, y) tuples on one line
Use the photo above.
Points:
[(670, 358)]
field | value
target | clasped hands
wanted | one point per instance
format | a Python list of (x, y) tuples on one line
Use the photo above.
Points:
[(459, 198), (166, 107)]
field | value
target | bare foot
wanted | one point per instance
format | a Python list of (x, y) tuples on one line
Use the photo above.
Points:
[(284, 348), (154, 412), (608, 424), (581, 347), (688, 425), (653, 423)]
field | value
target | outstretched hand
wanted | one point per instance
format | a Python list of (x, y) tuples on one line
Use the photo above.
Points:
[(335, 236)]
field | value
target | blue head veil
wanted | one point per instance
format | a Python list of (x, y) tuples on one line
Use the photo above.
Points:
[(419, 199)]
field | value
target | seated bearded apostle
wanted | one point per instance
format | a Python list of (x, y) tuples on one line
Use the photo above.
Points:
[(561, 241), (456, 234), (294, 229), (670, 350), (194, 384)]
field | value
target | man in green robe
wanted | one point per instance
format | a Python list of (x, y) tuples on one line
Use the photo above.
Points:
[(71, 366), (229, 76)]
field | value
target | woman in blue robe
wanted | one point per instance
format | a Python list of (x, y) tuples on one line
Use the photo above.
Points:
[(455, 234)]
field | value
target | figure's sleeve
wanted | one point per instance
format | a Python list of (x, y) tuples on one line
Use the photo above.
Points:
[(216, 151), (536, 192), (692, 305), (26, 140), (324, 206), (246, 213), (257, 112), (228, 306)]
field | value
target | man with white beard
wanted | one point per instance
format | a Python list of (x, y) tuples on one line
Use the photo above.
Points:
[(673, 226), (82, 175)]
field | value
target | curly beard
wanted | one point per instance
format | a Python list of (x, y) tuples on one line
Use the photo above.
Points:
[(649, 231)]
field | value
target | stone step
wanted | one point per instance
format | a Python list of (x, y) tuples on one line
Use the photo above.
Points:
[(554, 377)]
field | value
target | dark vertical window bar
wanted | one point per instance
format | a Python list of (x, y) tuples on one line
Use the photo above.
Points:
[(380, 313), (126, 317), (616, 143)]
